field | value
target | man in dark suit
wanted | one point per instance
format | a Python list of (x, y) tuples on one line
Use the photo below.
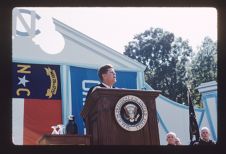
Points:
[(107, 78), (205, 137)]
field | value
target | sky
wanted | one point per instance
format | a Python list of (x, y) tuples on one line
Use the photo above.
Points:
[(116, 26)]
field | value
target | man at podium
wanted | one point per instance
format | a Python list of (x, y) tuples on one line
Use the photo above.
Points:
[(128, 114), (107, 77)]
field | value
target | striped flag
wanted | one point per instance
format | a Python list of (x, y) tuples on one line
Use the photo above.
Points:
[(36, 102)]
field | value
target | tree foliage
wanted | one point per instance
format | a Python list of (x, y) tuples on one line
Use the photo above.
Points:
[(203, 66), (166, 58), (172, 64)]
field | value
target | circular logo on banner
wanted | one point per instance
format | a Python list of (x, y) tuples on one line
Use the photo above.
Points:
[(131, 113)]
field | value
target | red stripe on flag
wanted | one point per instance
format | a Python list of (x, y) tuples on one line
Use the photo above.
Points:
[(39, 116)]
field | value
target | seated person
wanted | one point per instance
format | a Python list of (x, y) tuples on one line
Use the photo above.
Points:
[(177, 141), (205, 137), (171, 138), (107, 78)]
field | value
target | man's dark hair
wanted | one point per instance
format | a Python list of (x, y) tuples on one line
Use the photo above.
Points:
[(103, 70)]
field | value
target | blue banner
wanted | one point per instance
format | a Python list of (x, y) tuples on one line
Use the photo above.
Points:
[(84, 78)]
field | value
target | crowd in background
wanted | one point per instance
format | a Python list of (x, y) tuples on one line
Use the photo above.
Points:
[(173, 140)]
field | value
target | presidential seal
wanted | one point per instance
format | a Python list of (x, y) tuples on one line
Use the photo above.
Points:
[(131, 113)]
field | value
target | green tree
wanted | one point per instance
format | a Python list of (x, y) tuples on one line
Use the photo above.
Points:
[(203, 67), (166, 58)]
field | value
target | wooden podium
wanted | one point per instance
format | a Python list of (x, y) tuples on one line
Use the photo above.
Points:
[(99, 113)]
